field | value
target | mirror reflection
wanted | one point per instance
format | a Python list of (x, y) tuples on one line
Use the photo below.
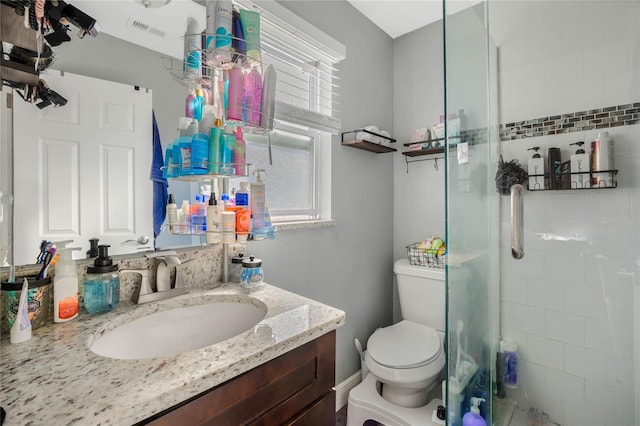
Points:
[(128, 66)]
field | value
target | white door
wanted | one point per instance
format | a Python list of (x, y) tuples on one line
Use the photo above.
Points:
[(82, 170)]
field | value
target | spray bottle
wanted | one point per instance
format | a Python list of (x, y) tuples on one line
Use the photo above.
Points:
[(65, 286)]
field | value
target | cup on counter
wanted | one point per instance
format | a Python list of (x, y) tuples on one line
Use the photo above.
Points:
[(38, 301)]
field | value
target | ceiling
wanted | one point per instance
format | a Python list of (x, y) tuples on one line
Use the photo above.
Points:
[(162, 28)]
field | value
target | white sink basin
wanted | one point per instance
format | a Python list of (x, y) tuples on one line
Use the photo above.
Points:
[(178, 330)]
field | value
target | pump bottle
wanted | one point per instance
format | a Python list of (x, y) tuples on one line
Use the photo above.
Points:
[(580, 164), (473, 417), (535, 169), (213, 220)]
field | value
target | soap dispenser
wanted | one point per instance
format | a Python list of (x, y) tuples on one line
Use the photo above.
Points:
[(65, 287), (580, 168), (473, 417), (535, 169), (102, 285)]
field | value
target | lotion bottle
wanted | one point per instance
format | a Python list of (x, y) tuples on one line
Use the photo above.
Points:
[(580, 165), (535, 169), (172, 214), (213, 220), (65, 287), (473, 417)]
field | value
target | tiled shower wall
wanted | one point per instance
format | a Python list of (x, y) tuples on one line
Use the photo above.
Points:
[(573, 303)]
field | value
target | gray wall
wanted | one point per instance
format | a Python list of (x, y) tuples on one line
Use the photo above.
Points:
[(418, 101), (348, 266)]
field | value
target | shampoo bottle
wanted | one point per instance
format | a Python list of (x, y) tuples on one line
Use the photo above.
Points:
[(65, 287), (227, 168), (236, 93), (215, 147), (473, 417), (535, 169), (580, 168), (602, 160), (190, 105), (238, 49), (252, 98), (239, 153), (198, 105), (268, 101)]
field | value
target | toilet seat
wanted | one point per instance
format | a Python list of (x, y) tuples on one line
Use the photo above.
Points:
[(404, 345)]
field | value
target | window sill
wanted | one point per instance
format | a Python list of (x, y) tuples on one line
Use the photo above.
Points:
[(307, 224)]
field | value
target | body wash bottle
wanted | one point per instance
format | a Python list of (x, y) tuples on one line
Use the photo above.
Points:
[(224, 10), (535, 169), (235, 94), (580, 165), (252, 98)]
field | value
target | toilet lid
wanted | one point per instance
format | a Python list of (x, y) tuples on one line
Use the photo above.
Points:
[(404, 345)]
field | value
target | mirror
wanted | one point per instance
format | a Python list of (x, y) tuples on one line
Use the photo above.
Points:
[(110, 58)]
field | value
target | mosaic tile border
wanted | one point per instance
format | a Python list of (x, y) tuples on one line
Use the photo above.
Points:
[(600, 118)]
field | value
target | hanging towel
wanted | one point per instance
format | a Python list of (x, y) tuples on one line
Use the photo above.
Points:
[(160, 193)]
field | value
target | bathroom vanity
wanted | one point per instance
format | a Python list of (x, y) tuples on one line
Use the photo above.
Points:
[(279, 372)]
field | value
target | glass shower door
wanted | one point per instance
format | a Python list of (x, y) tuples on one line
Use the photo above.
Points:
[(472, 209), (567, 72)]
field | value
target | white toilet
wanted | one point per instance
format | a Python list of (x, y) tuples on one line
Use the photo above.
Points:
[(406, 358)]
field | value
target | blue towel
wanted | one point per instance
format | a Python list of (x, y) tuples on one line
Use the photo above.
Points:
[(160, 193)]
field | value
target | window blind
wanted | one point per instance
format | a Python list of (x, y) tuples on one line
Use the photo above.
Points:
[(304, 58)]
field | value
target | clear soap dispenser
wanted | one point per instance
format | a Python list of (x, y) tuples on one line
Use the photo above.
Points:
[(102, 285), (535, 169)]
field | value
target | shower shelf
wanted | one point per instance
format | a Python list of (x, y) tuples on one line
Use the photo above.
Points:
[(603, 184)]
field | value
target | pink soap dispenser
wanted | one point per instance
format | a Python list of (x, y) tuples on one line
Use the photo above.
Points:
[(473, 417)]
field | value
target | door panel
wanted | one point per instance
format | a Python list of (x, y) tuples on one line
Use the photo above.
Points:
[(82, 170)]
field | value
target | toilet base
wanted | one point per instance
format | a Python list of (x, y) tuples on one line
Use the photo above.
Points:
[(365, 403)]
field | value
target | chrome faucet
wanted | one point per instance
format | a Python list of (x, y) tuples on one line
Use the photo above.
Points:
[(163, 262)]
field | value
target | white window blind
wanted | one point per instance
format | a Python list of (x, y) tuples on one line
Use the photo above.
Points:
[(304, 59)]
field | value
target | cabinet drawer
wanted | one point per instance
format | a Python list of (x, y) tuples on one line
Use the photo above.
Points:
[(270, 394)]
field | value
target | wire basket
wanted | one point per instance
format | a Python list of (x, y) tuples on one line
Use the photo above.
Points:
[(425, 257)]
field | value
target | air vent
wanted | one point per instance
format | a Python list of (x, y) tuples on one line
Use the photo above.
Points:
[(139, 25)]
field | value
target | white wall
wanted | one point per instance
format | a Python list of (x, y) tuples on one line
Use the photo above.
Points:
[(569, 304)]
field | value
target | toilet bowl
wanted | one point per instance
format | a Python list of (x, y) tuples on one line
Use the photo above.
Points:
[(405, 359)]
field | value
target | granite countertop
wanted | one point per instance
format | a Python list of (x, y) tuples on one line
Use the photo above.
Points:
[(55, 379)]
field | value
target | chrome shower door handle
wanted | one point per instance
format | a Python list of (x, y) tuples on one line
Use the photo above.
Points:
[(517, 221)]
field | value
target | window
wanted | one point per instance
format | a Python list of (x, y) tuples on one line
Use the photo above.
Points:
[(296, 155)]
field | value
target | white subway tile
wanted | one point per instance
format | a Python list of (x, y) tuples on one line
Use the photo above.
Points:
[(609, 58), (617, 403), (618, 87), (565, 387), (565, 267), (565, 328), (605, 207), (621, 243), (585, 301), (607, 337), (620, 372), (582, 415), (524, 318), (546, 352), (545, 294), (565, 207), (514, 288), (532, 265), (609, 273), (585, 363)]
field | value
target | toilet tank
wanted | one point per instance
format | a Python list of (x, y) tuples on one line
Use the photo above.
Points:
[(421, 291)]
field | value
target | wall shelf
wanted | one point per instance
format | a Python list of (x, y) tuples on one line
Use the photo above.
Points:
[(375, 142), (428, 153), (610, 183)]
